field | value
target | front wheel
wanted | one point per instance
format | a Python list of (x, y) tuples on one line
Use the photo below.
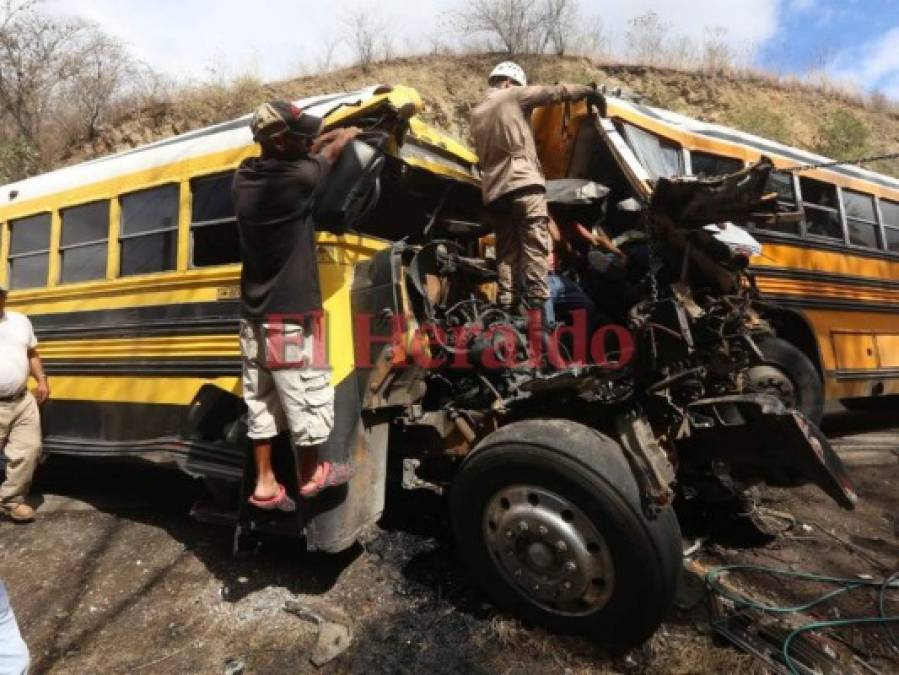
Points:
[(787, 374), (547, 515)]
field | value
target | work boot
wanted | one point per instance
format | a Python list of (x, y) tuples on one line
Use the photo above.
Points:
[(18, 511)]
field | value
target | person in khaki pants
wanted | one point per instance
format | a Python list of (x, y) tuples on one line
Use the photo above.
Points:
[(20, 421), (512, 182)]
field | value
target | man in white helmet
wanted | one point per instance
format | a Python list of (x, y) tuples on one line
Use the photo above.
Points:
[(513, 185)]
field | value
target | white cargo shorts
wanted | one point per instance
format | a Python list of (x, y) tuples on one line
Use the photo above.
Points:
[(287, 390)]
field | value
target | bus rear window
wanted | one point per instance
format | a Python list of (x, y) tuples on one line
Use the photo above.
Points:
[(29, 251), (149, 231), (658, 155), (860, 219), (83, 243), (707, 164), (890, 213), (822, 214), (213, 226)]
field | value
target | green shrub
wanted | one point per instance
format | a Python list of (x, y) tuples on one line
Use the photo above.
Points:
[(761, 121), (843, 136)]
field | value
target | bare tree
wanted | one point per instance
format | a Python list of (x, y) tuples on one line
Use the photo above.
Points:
[(327, 55), (59, 79), (591, 39), (718, 54), (560, 27), (104, 71), (647, 38), (511, 26), (367, 36)]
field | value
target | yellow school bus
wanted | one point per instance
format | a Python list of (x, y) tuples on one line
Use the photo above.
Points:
[(832, 279), (128, 267)]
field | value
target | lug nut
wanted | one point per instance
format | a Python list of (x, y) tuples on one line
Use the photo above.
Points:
[(509, 534), (561, 546), (570, 566), (566, 585), (542, 531), (522, 526)]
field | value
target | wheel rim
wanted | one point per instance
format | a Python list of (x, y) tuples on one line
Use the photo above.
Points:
[(548, 550), (768, 379)]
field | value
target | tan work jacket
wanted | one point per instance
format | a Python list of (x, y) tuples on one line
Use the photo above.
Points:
[(500, 126)]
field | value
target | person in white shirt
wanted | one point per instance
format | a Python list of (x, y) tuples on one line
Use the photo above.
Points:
[(20, 421)]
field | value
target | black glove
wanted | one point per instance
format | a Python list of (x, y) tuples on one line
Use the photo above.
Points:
[(595, 98)]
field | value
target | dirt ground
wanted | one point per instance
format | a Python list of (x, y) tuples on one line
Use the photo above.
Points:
[(115, 577)]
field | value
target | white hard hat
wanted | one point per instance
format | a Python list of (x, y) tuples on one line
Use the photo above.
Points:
[(511, 70)]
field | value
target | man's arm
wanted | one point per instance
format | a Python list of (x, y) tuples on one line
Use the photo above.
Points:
[(537, 95), (597, 238), (331, 143), (37, 371)]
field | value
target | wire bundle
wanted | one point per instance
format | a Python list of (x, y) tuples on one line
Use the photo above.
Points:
[(843, 585)]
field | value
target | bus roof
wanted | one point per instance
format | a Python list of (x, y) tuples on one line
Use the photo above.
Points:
[(763, 146), (226, 136)]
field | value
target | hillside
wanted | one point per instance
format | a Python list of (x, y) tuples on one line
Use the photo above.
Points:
[(816, 118)]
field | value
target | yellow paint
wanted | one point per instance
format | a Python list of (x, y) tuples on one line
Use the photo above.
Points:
[(53, 264), (130, 389), (145, 347), (797, 256), (888, 350), (184, 218), (831, 291), (432, 136), (854, 351), (442, 169), (4, 252), (114, 250)]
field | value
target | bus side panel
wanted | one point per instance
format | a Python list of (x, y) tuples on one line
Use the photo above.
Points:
[(339, 515)]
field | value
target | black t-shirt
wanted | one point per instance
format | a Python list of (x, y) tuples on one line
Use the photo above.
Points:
[(273, 200)]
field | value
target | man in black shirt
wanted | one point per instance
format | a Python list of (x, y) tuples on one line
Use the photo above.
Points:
[(284, 385)]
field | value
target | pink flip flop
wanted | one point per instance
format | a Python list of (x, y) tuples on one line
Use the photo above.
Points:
[(277, 502), (334, 475)]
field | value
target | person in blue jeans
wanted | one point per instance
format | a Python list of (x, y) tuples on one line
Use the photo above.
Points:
[(14, 658), (571, 240)]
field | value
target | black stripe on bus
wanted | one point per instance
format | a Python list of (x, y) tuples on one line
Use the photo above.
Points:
[(154, 430), (865, 374), (188, 366), (809, 302), (797, 155), (171, 319), (824, 277)]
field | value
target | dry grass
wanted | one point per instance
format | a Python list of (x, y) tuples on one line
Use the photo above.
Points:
[(673, 650)]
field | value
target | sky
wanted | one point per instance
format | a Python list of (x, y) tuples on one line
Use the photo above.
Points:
[(853, 40)]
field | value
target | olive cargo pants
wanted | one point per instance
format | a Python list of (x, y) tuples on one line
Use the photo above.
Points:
[(523, 244)]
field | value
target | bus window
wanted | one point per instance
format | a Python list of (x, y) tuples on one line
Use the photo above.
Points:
[(213, 227), (860, 219), (658, 155), (29, 251), (782, 184), (890, 212), (149, 232), (822, 214), (83, 243), (707, 164)]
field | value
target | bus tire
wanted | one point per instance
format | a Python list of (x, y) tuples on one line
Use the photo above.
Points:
[(548, 517), (788, 374)]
